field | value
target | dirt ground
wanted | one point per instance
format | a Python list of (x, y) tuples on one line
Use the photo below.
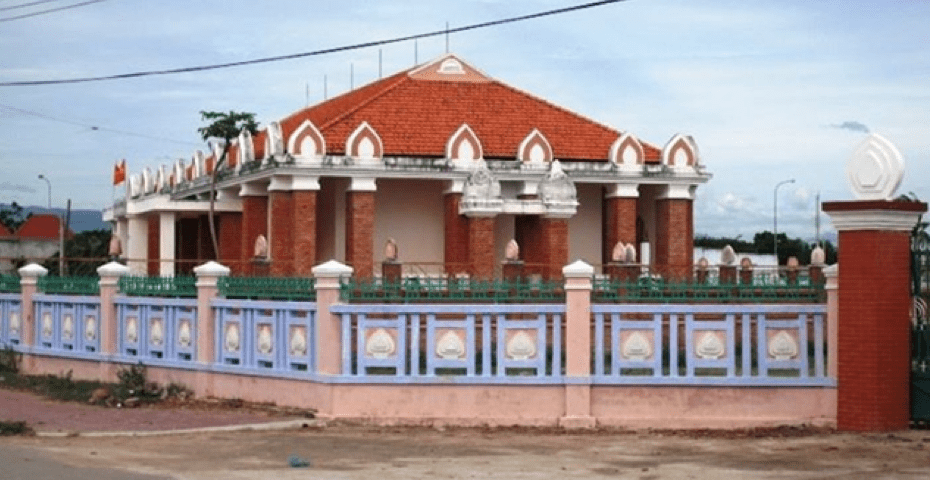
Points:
[(356, 452)]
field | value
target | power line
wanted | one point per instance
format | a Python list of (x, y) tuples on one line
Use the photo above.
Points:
[(292, 56), (51, 10), (96, 128), (30, 4)]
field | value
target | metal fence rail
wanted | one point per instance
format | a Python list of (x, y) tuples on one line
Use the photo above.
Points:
[(179, 286), (69, 285), (268, 288), (451, 290)]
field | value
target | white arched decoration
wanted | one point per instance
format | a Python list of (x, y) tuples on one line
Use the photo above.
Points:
[(627, 152), (680, 152), (197, 166), (246, 149), (306, 142), (464, 147), (179, 174), (274, 140), (535, 149), (135, 185), (364, 143)]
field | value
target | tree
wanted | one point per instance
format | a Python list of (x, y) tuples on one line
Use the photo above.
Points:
[(223, 127), (13, 216), (85, 252)]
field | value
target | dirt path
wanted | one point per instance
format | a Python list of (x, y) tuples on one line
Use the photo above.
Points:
[(353, 452)]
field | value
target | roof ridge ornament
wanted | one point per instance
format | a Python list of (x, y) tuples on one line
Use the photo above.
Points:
[(481, 194), (557, 192)]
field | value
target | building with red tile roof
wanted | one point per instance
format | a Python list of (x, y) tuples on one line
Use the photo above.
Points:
[(446, 161)]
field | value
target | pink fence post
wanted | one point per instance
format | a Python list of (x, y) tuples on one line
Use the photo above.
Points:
[(109, 287), (329, 326), (832, 276), (29, 280), (208, 275), (578, 286)]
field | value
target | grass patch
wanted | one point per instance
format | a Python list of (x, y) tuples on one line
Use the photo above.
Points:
[(15, 428), (55, 387)]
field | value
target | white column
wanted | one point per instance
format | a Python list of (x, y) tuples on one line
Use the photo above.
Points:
[(137, 244), (166, 243)]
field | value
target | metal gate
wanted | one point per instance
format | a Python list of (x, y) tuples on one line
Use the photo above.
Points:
[(920, 327)]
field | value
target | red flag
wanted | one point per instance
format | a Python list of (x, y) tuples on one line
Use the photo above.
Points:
[(119, 172)]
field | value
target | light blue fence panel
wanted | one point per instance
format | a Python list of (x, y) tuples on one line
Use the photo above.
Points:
[(67, 323), (157, 329), (11, 318), (476, 343), (265, 335), (764, 345)]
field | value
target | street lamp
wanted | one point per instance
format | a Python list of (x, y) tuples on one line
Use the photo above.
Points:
[(43, 177), (61, 228), (776, 218)]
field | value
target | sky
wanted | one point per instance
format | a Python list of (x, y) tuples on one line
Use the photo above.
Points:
[(770, 90)]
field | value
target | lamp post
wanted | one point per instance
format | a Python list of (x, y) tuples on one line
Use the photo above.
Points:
[(775, 239), (61, 228)]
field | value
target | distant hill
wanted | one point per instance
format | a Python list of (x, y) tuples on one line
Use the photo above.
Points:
[(81, 220)]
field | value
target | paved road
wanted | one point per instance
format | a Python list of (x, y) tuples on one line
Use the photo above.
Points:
[(27, 463)]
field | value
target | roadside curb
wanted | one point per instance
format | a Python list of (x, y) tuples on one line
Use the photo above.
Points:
[(249, 427)]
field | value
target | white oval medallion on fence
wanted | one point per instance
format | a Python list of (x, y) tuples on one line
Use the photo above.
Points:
[(184, 334), (636, 347), (47, 325), (783, 346), (67, 327), (265, 340), (15, 323), (298, 343), (156, 332), (90, 328), (132, 330), (521, 347), (231, 338), (710, 346), (380, 345), (450, 346)]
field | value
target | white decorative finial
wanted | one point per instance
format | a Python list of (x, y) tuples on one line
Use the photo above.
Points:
[(261, 247), (875, 170), (390, 250), (618, 254), (727, 256), (512, 251)]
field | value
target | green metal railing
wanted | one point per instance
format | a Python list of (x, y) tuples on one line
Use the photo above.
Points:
[(69, 285), (180, 286), (454, 290), (760, 290), (270, 288), (9, 284)]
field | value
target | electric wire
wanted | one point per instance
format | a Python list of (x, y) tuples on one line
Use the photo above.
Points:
[(313, 53), (30, 4), (51, 10)]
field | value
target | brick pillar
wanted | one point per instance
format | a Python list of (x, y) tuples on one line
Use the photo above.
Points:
[(328, 344), (281, 241), (481, 247), (455, 253), (360, 227), (254, 223), (304, 231), (619, 218), (674, 243), (554, 239), (873, 357), (154, 248), (230, 236), (578, 278)]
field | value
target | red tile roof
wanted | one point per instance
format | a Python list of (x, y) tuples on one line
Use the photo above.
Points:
[(4, 231), (41, 227), (416, 113)]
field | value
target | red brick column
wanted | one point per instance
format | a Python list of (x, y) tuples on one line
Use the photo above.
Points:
[(481, 247), (281, 244), (254, 223), (455, 253), (153, 266), (554, 238), (674, 243), (619, 223), (873, 357), (229, 232), (360, 231), (304, 231)]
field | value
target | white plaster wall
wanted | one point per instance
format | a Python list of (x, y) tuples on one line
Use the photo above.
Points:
[(584, 229), (410, 212), (137, 244), (32, 250), (166, 243), (331, 219)]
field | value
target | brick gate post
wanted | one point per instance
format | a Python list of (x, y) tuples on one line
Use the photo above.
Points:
[(578, 285)]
